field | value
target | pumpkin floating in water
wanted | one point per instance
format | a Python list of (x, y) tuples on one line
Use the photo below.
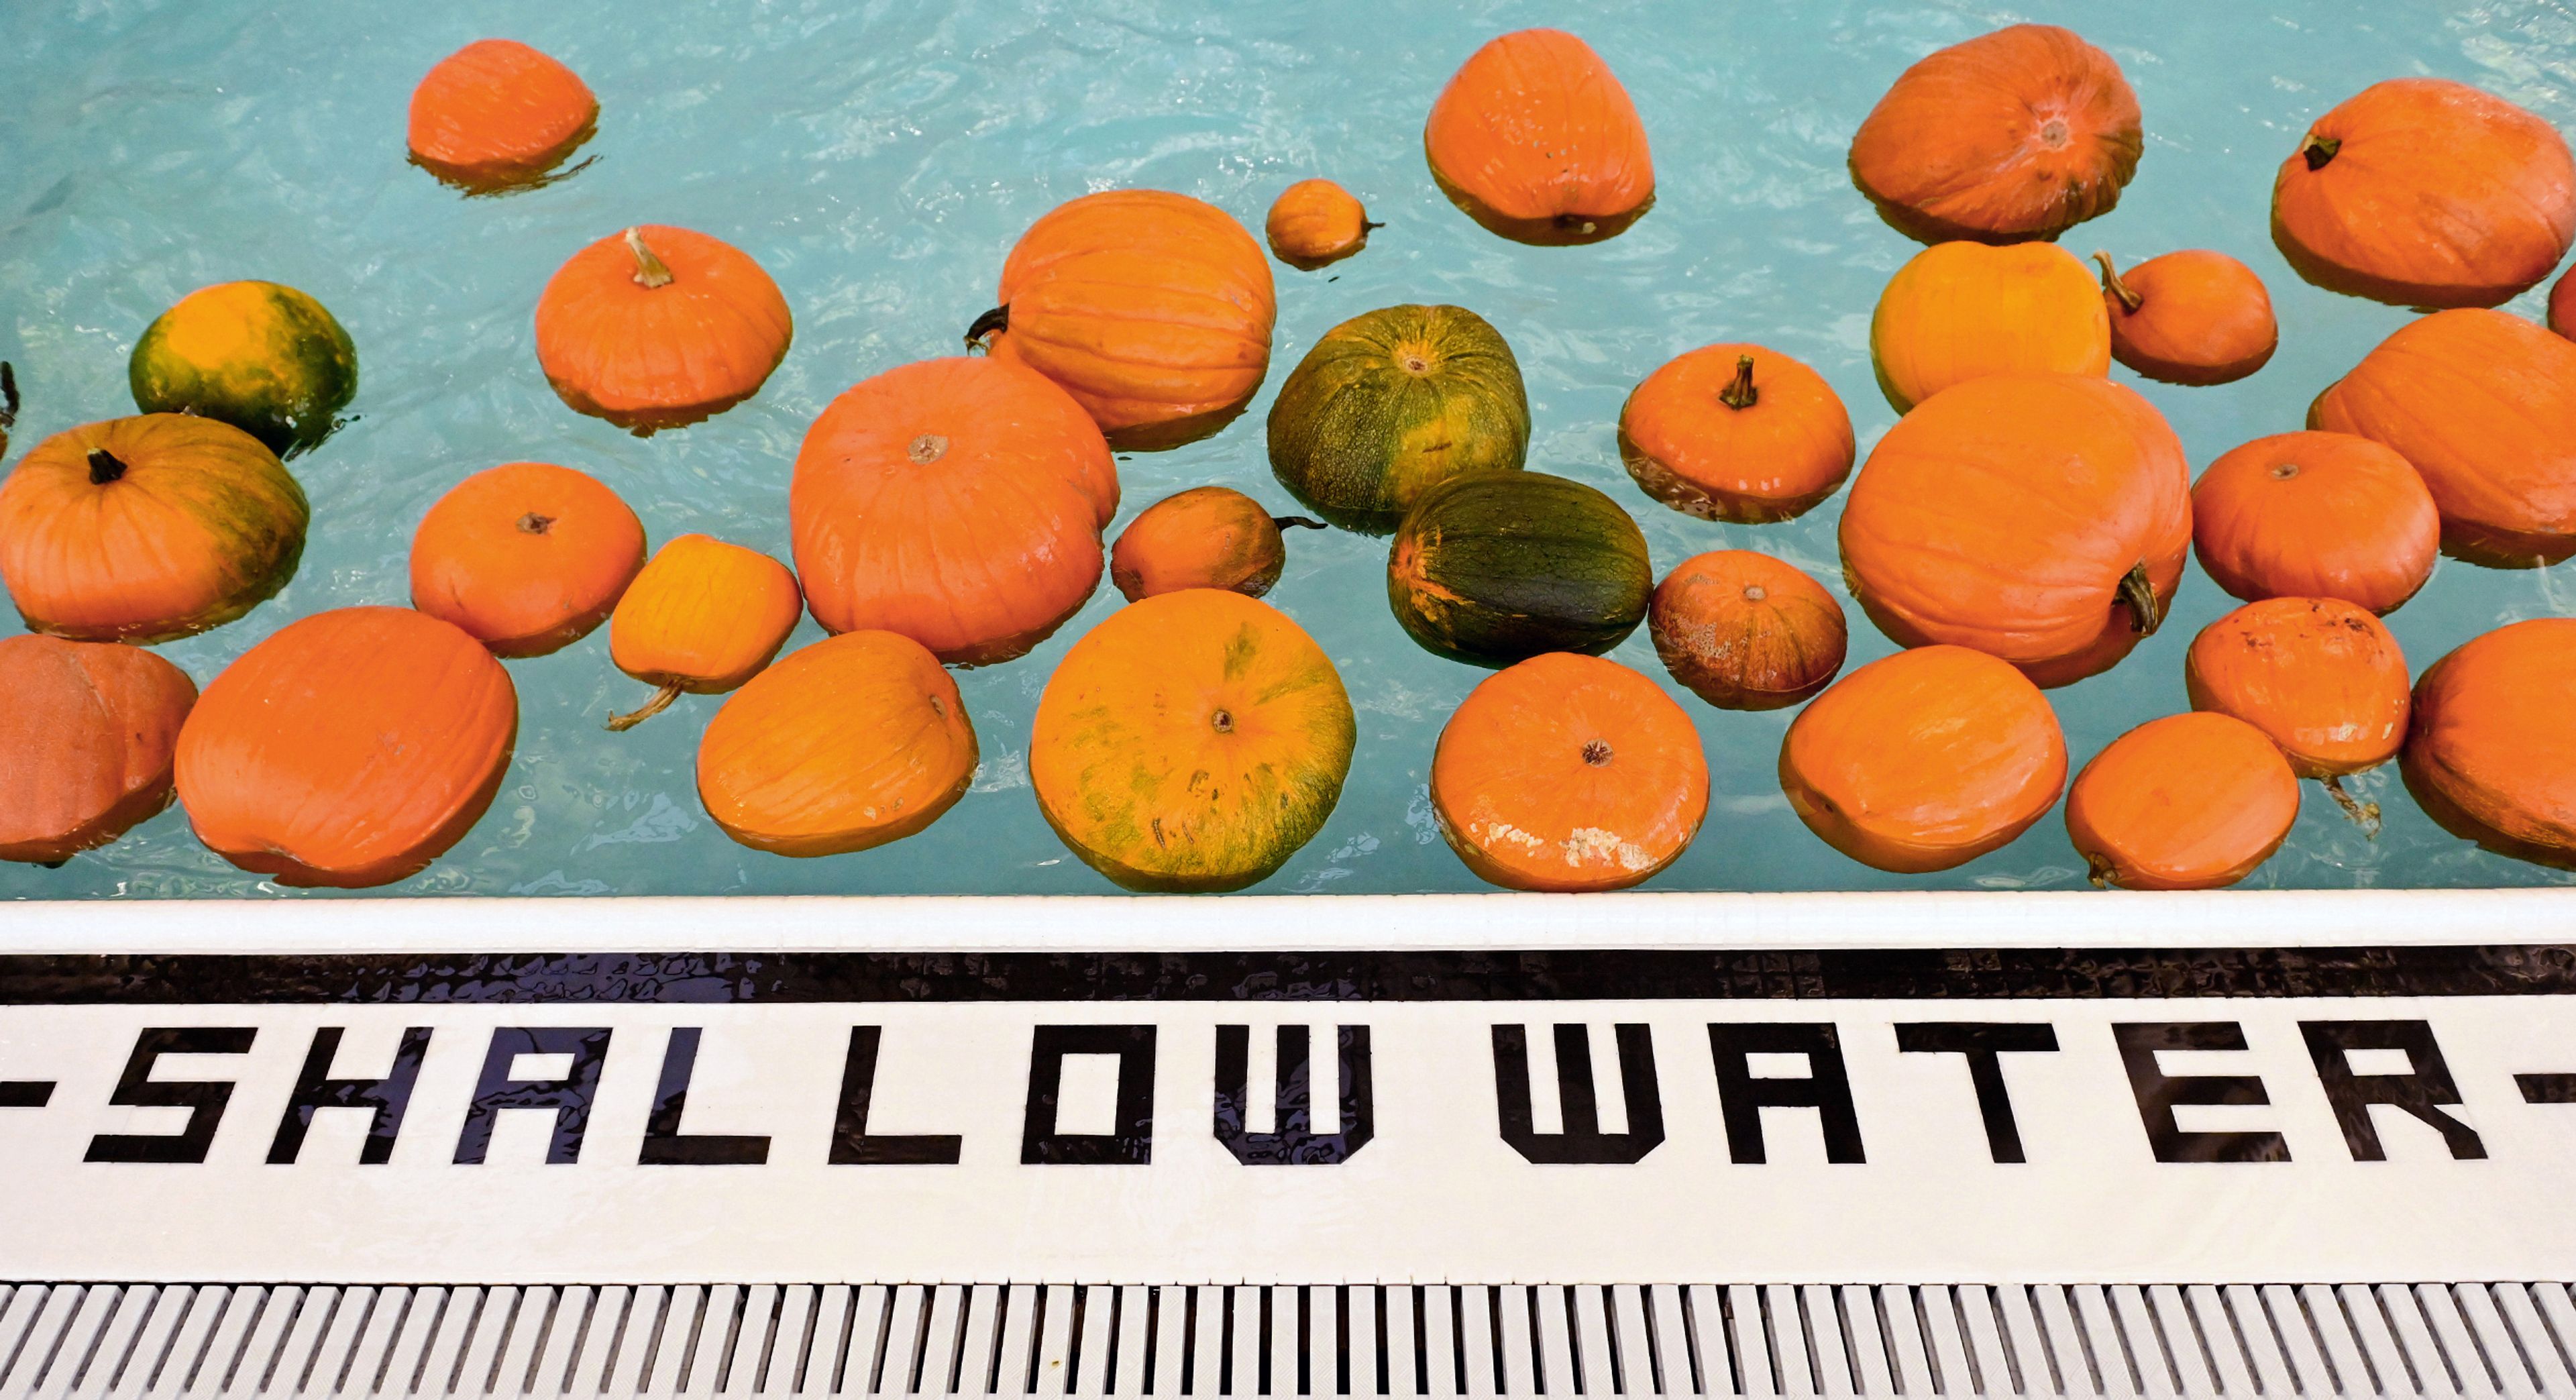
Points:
[(1924, 760), (1736, 432), (1536, 140), (1745, 631), (957, 501), (1497, 568), (1206, 537), (527, 557), (1191, 742), (1959, 311), (701, 618), (2319, 676), (2193, 317), (2489, 752), (2426, 192), (2186, 802), (853, 742), (1315, 223), (2562, 308), (1568, 773), (1392, 403), (86, 743), (349, 749), (2022, 133), (2316, 515), (1152, 309), (263, 357), (660, 327), (2040, 517), (497, 115), (147, 529)]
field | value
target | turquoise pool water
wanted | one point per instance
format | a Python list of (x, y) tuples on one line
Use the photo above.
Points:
[(880, 159)]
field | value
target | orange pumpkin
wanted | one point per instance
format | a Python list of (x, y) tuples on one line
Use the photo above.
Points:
[(2316, 515), (2040, 517), (86, 742), (1568, 773), (527, 557), (2320, 677), (2193, 317), (957, 501), (2022, 133), (2186, 802), (2489, 752), (1745, 631), (2426, 192), (1736, 432), (702, 617), (1153, 310), (2483, 405), (1958, 311), (349, 749), (1924, 760), (1315, 223), (1206, 537), (660, 327), (146, 529), (2562, 313), (1536, 140), (497, 114), (853, 742)]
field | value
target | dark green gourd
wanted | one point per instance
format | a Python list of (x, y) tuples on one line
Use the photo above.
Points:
[(1497, 568)]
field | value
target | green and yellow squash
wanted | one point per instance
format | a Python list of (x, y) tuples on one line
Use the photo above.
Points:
[(1497, 568), (1392, 403), (263, 357)]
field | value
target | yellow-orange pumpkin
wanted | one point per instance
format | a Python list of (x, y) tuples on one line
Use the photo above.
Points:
[(2193, 317), (1205, 537), (497, 114), (1536, 140), (88, 732), (2489, 750), (2186, 802), (1736, 432), (1745, 631), (660, 327), (527, 557), (702, 617), (1958, 311), (2320, 677), (1315, 223), (2316, 515)]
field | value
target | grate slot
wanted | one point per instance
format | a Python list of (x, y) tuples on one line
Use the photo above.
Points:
[(2520, 1315)]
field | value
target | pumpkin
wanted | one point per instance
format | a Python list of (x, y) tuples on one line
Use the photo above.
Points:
[(1924, 760), (1739, 433), (853, 742), (2186, 802), (957, 501), (702, 617), (1568, 773), (1391, 403), (1152, 309), (2040, 517), (2562, 314), (2018, 134), (2426, 192), (1957, 311), (660, 327), (263, 357), (1205, 537), (349, 749), (1192, 741), (1535, 139), (2316, 515), (2483, 406), (86, 741), (1745, 631), (1496, 568), (147, 529), (527, 557), (2489, 752), (497, 115), (2193, 317), (1315, 223), (2322, 678)]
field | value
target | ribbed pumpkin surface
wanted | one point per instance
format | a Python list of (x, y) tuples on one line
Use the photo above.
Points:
[(2186, 802), (527, 557), (660, 327), (1391, 403), (2316, 515), (87, 737), (497, 113), (2489, 750), (2319, 676), (1535, 138)]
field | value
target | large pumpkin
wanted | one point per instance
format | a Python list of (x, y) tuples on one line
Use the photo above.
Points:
[(147, 529), (350, 748), (1736, 432), (2426, 192), (1496, 568), (1191, 742), (1535, 139), (701, 617), (87, 736), (1152, 309), (659, 327), (2186, 802), (1745, 631), (1957, 311), (497, 114), (2322, 678), (2193, 317), (2022, 133), (527, 557), (2042, 518), (2315, 515), (263, 357), (1205, 537), (1392, 403), (2489, 750), (1315, 223)]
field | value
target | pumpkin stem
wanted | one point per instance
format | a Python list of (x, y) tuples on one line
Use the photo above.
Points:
[(662, 698), (535, 524), (997, 319), (2364, 814), (1595, 752), (1222, 722), (1739, 392), (1367, 224), (2111, 282), (1296, 522), (2319, 150), (2146, 613), (104, 467), (2099, 871), (8, 395), (650, 271)]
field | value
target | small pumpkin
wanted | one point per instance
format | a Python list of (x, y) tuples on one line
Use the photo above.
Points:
[(2322, 678), (1739, 433), (349, 749), (2186, 802), (1192, 741), (1535, 138), (86, 743), (2039, 517), (1499, 567), (1745, 631), (1205, 537), (497, 115), (263, 357), (2018, 134), (2562, 309), (1568, 773), (1924, 760), (1391, 403), (2426, 192), (1958, 311), (1152, 309), (526, 557), (2316, 515), (659, 327), (850, 743), (147, 529), (2489, 752), (1316, 223), (2193, 317), (702, 617)]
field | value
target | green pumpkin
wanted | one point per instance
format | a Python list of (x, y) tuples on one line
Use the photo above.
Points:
[(1498, 568), (1392, 403), (263, 357)]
